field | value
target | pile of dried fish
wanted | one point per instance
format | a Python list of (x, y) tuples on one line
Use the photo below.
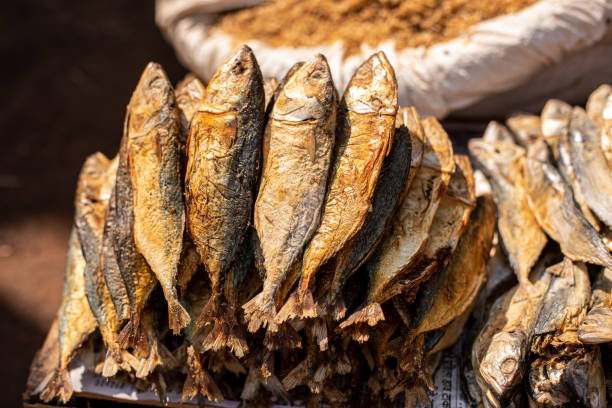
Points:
[(541, 341), (267, 240)]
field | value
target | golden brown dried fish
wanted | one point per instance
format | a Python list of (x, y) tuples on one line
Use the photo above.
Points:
[(597, 103), (521, 237), (189, 93), (222, 169), (152, 126), (294, 178), (270, 85), (526, 128), (76, 323), (606, 131), (550, 200), (555, 127), (453, 289), (399, 251), (500, 350), (91, 202), (591, 167), (366, 125), (390, 191), (596, 327)]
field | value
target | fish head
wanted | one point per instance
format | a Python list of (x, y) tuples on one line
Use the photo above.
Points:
[(237, 83), (373, 88), (581, 128), (308, 94), (538, 150), (555, 119), (148, 102), (438, 147), (496, 132), (525, 127), (493, 157), (503, 365), (607, 110)]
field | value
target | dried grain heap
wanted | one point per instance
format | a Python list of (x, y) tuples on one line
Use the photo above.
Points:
[(355, 22), (265, 240)]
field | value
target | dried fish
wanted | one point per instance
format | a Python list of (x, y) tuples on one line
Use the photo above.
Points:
[(390, 191), (565, 371), (222, 169), (606, 131), (91, 200), (189, 94), (451, 291), (596, 327), (152, 126), (270, 85), (500, 350), (366, 125), (108, 263), (496, 132), (397, 255), (294, 178), (597, 103), (592, 169), (76, 323), (555, 127), (526, 128), (521, 237), (551, 201)]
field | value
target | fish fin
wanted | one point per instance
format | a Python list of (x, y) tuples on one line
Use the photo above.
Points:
[(132, 334), (299, 375), (198, 380), (260, 312), (226, 333), (56, 384), (336, 308), (148, 364), (370, 314), (319, 331), (178, 318), (294, 309), (286, 337)]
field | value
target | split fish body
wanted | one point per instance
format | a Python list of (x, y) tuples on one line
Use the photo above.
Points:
[(297, 158), (521, 236), (152, 126)]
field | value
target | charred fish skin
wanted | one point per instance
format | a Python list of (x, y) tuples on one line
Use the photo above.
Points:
[(76, 322), (153, 157), (222, 170), (396, 257), (365, 133), (108, 261), (555, 129), (90, 209), (592, 169), (521, 236), (390, 188), (550, 200), (294, 178), (596, 327)]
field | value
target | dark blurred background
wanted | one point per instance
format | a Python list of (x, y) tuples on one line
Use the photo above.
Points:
[(68, 69)]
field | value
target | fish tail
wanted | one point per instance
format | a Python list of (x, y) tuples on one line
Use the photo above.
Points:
[(296, 309), (178, 318), (298, 376), (260, 312), (148, 364), (198, 380), (226, 333), (319, 331), (112, 361), (56, 384), (370, 314), (132, 334), (286, 337), (335, 307)]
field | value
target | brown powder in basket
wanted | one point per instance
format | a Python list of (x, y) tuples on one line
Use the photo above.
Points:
[(411, 23)]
